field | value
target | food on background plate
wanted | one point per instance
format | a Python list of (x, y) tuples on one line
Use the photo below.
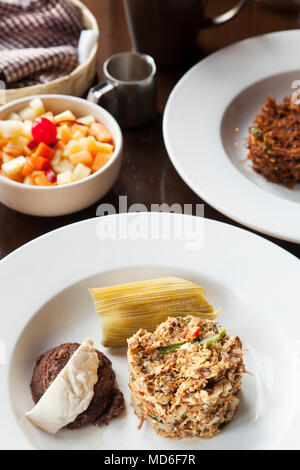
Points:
[(42, 149), (274, 142), (126, 308), (73, 385), (185, 378)]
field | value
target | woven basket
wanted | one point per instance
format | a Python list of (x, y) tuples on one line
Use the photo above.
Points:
[(77, 82)]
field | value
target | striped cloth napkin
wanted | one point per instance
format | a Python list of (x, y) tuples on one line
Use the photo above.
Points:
[(38, 40)]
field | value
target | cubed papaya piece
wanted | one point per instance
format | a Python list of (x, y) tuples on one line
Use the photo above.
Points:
[(39, 178), (27, 168), (44, 151), (39, 163)]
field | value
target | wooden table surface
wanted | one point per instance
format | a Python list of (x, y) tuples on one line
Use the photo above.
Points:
[(147, 175)]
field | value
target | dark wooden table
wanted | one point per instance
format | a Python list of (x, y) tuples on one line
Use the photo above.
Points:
[(147, 175)]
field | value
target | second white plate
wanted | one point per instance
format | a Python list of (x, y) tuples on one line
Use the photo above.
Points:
[(206, 123)]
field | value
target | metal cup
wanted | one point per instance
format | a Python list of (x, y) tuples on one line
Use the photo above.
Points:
[(129, 91)]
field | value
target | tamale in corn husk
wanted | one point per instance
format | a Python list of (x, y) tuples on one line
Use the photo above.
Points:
[(126, 308)]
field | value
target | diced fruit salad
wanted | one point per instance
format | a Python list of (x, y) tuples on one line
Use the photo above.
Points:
[(42, 149)]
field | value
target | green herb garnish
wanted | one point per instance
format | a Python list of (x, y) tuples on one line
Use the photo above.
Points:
[(155, 418), (256, 131), (174, 347), (213, 339)]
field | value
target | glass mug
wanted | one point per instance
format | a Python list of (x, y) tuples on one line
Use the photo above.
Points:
[(167, 29)]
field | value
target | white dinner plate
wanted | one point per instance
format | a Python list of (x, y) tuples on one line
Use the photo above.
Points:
[(45, 302), (206, 122)]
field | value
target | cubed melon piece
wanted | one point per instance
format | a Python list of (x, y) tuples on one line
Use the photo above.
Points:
[(27, 180), (10, 129), (62, 166), (3, 142), (64, 133), (73, 146), (60, 145), (85, 142), (49, 115), (11, 151), (65, 177), (81, 171), (27, 129), (100, 160), (14, 117), (28, 114), (94, 146), (6, 158), (101, 133), (18, 143), (38, 106), (65, 116), (83, 157), (14, 166), (87, 120), (56, 157), (91, 144), (77, 135), (103, 147), (27, 152), (84, 130)]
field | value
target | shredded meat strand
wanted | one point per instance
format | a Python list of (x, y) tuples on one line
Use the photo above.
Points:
[(274, 142)]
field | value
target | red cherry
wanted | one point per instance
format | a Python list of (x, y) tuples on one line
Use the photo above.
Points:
[(43, 130)]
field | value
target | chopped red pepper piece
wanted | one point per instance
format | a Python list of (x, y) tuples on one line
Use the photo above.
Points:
[(32, 144), (51, 176), (192, 334), (195, 333)]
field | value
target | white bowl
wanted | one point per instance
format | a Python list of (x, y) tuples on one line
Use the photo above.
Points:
[(60, 200)]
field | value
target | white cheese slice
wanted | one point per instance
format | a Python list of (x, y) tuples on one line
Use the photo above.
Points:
[(70, 393)]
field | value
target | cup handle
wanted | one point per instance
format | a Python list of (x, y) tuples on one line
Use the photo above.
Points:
[(96, 92), (228, 15)]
